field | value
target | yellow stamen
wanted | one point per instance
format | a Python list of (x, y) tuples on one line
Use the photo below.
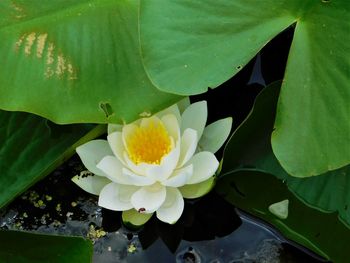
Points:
[(149, 143)]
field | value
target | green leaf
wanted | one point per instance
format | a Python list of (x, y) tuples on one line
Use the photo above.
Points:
[(250, 141), (254, 192), (75, 61), (250, 149), (21, 247), (329, 192), (206, 42), (31, 147)]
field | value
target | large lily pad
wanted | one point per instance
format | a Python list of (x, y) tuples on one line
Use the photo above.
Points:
[(21, 247), (31, 147), (75, 61), (250, 149), (188, 46)]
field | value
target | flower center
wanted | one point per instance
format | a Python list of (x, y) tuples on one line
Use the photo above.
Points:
[(149, 143)]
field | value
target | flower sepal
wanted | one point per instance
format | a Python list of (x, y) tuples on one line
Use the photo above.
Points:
[(135, 220)]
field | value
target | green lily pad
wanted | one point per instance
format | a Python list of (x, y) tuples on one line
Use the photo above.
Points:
[(75, 61), (250, 149), (31, 147), (188, 46), (21, 247)]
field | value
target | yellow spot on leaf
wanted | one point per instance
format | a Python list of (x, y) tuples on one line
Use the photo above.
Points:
[(40, 46), (49, 61), (18, 10), (19, 42), (56, 63), (145, 114), (29, 43), (60, 66)]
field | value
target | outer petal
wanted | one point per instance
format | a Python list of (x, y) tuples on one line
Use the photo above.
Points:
[(145, 121), (116, 172), (195, 117), (115, 141), (179, 177), (164, 170), (191, 191), (172, 208), (91, 153), (174, 110), (114, 127), (205, 165), (172, 125), (117, 197), (139, 169), (113, 169), (149, 198), (91, 184), (127, 131), (188, 146), (138, 180), (215, 135)]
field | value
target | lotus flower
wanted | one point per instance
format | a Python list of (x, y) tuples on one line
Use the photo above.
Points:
[(152, 164)]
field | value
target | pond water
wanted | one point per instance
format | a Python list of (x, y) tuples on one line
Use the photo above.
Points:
[(210, 230)]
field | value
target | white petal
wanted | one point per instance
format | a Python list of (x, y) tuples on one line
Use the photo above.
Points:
[(179, 177), (205, 165), (139, 169), (138, 180), (183, 104), (172, 126), (128, 130), (114, 128), (91, 184), (172, 208), (215, 135), (188, 146), (115, 141), (149, 198), (113, 169), (174, 110), (195, 117), (91, 153), (145, 122), (117, 197), (162, 171)]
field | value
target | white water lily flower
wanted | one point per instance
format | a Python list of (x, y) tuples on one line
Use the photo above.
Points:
[(150, 165)]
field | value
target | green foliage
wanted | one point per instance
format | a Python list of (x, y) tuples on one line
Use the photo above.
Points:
[(75, 61), (250, 149), (36, 248), (31, 147), (206, 42), (248, 165)]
